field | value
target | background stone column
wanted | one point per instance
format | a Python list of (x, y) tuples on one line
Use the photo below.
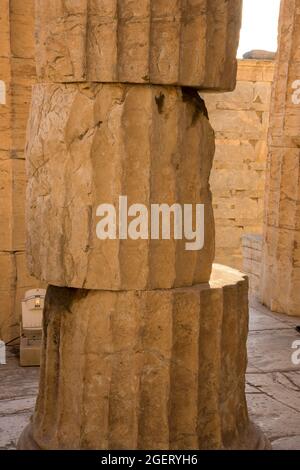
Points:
[(281, 250), (144, 342)]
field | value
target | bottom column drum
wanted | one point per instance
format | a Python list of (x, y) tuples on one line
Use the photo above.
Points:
[(160, 369)]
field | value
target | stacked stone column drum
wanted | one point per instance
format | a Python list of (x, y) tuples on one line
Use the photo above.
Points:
[(144, 342), (281, 255)]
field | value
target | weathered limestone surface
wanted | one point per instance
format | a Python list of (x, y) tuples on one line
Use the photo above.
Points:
[(145, 41), (240, 120), (12, 203), (89, 144), (140, 350), (281, 257), (17, 73), (160, 369), (7, 293), (252, 257), (6, 177), (285, 105)]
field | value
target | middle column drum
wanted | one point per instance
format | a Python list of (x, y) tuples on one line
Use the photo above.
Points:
[(90, 144)]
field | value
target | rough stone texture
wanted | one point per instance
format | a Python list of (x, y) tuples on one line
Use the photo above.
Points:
[(127, 363), (17, 72), (12, 205), (150, 143), (240, 120), (280, 287), (166, 42), (160, 369), (7, 293), (252, 256)]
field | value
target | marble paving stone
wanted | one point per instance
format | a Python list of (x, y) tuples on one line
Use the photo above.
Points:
[(251, 369), (293, 377), (11, 427), (271, 350), (290, 320), (251, 389), (16, 406), (275, 419), (275, 385), (259, 322), (10, 385), (287, 443)]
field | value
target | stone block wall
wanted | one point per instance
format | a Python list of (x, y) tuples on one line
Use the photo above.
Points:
[(240, 120), (252, 259), (17, 74)]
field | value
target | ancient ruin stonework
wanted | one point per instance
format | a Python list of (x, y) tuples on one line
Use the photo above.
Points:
[(17, 73), (150, 143), (240, 120), (132, 362), (166, 42), (280, 266), (252, 258), (139, 367)]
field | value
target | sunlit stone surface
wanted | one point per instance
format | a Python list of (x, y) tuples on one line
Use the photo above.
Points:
[(166, 42), (281, 255)]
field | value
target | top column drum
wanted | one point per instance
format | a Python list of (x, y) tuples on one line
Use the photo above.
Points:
[(166, 42)]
